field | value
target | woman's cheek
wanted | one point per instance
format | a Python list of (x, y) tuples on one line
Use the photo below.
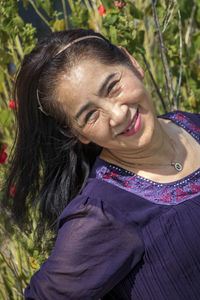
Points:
[(100, 133)]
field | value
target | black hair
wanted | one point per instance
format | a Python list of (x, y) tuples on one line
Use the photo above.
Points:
[(49, 165)]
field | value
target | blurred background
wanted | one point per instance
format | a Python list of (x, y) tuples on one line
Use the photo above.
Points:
[(164, 36)]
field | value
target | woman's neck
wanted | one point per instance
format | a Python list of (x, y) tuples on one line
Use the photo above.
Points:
[(162, 149)]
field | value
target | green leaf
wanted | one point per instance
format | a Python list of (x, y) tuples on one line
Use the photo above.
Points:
[(5, 117), (192, 83), (25, 3), (5, 57), (135, 12), (4, 36), (140, 37), (140, 49), (46, 5), (17, 21), (113, 35), (110, 20), (59, 25)]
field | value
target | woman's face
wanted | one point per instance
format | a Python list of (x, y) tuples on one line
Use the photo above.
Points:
[(108, 105)]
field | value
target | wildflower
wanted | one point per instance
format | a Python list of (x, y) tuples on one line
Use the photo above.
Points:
[(101, 9), (12, 104), (3, 155), (12, 191), (119, 4), (33, 263)]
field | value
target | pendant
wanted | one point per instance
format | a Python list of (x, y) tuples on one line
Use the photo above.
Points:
[(177, 166)]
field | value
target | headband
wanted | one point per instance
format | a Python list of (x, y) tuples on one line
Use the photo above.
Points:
[(78, 40), (67, 46)]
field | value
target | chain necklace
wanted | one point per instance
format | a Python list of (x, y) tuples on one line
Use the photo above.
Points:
[(177, 165)]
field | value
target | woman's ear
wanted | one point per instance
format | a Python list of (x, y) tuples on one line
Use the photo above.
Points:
[(83, 139), (134, 63), (73, 133)]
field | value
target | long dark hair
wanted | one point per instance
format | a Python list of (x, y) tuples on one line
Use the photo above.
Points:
[(49, 165)]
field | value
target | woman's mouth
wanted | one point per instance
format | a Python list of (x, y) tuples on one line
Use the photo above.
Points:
[(134, 125)]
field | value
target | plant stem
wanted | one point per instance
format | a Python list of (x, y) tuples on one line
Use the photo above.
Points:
[(180, 55), (8, 76), (168, 16), (71, 4), (65, 14), (154, 83), (189, 28), (39, 13), (88, 6), (19, 47), (5, 92), (11, 47), (166, 67)]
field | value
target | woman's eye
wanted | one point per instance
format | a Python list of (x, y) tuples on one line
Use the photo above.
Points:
[(91, 115), (111, 86)]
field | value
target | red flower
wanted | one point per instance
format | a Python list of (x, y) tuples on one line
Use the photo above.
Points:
[(3, 155), (12, 191), (101, 9), (119, 4), (12, 104)]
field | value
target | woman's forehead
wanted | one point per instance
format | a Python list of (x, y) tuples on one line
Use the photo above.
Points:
[(90, 68), (84, 78)]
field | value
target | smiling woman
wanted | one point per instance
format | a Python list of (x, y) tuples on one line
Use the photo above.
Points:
[(124, 183)]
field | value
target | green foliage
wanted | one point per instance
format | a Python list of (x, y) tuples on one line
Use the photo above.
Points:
[(18, 258), (79, 18), (134, 27), (16, 39)]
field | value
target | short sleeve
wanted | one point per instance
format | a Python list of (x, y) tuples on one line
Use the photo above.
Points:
[(93, 252)]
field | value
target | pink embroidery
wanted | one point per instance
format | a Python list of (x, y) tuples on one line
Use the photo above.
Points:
[(126, 183), (111, 174), (180, 116), (194, 127), (151, 188), (194, 187), (180, 194), (166, 197)]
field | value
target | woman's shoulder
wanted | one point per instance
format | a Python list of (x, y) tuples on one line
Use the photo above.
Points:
[(179, 116), (93, 202), (189, 121), (89, 202)]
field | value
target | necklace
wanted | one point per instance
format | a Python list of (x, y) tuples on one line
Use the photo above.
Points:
[(177, 165)]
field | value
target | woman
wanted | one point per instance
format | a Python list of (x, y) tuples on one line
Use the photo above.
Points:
[(132, 230)]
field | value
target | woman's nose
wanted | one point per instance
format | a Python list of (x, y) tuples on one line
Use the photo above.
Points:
[(118, 114)]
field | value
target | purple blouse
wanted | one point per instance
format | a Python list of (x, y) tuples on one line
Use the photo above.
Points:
[(127, 238)]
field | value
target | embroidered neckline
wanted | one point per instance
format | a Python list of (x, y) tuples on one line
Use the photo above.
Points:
[(161, 193)]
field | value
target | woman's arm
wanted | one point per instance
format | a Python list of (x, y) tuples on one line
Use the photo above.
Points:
[(93, 252)]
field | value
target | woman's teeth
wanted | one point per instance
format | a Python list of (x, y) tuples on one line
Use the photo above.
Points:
[(132, 124)]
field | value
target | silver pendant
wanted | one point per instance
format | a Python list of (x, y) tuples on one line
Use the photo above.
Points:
[(177, 166)]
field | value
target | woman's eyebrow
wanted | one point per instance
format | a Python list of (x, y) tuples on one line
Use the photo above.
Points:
[(83, 108), (104, 84), (100, 94)]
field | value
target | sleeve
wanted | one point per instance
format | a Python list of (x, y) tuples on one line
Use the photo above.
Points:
[(93, 252)]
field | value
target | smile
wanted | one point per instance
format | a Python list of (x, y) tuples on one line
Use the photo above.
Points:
[(133, 126)]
